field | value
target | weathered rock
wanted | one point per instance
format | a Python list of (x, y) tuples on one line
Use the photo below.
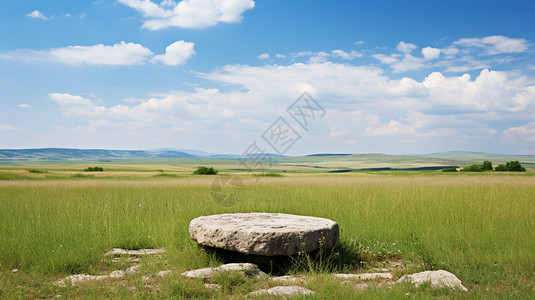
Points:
[(364, 276), (246, 268), (438, 279), (118, 251), (288, 279), (164, 273), (77, 278), (212, 286), (284, 291), (266, 234)]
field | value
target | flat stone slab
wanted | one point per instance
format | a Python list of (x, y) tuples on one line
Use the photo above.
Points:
[(265, 234), (364, 276), (245, 268), (438, 279), (119, 251), (283, 291)]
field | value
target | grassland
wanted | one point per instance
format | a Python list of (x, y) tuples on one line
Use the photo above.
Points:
[(54, 223)]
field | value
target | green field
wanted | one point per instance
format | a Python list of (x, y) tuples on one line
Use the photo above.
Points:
[(59, 221)]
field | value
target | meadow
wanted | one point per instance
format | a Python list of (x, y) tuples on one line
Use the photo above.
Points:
[(56, 221)]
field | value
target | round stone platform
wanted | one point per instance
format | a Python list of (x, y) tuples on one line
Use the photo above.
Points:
[(265, 234)]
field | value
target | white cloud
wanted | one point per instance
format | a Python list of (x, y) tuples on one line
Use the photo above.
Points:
[(189, 13), (118, 54), (387, 60), (7, 127), (450, 51), (67, 99), (176, 54), (526, 132), (37, 15), (346, 55), (263, 56), (408, 63), (430, 53), (278, 55), (392, 128), (405, 47), (22, 105), (496, 44), (319, 57)]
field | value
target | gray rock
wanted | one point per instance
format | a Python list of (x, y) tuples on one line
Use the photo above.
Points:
[(364, 276), (265, 234), (438, 279), (245, 268), (119, 251), (212, 286), (284, 291), (289, 279)]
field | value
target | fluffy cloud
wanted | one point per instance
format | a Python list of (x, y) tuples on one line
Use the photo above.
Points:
[(176, 54), (263, 56), (23, 105), (496, 44), (405, 47), (37, 15), (430, 53), (526, 132), (120, 54), (346, 55), (189, 13)]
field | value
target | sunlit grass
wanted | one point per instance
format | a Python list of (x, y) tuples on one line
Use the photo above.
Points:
[(481, 228)]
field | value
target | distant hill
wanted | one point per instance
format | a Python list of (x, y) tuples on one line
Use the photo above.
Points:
[(86, 154), (480, 156), (325, 161)]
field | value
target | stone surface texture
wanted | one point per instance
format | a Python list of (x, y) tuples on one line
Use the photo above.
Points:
[(364, 276), (438, 279), (266, 234), (119, 251), (284, 291), (245, 268)]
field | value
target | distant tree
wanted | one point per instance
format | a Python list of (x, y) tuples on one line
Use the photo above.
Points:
[(472, 168), (486, 166), (511, 166), (450, 169), (205, 171), (514, 166), (94, 169)]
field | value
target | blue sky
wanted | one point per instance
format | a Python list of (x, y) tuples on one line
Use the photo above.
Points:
[(389, 76)]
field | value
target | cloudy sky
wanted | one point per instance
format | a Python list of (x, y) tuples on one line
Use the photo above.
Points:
[(219, 75)]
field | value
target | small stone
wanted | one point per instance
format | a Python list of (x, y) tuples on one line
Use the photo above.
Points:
[(163, 273), (117, 274), (265, 234), (245, 268), (289, 279), (364, 276), (284, 291), (438, 279), (212, 286), (15, 270), (119, 251)]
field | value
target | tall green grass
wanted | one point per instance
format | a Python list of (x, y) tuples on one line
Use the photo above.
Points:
[(482, 228)]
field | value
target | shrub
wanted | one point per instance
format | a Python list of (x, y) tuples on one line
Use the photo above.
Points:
[(37, 171), (486, 166), (205, 171), (94, 169), (449, 169), (511, 166), (472, 168)]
